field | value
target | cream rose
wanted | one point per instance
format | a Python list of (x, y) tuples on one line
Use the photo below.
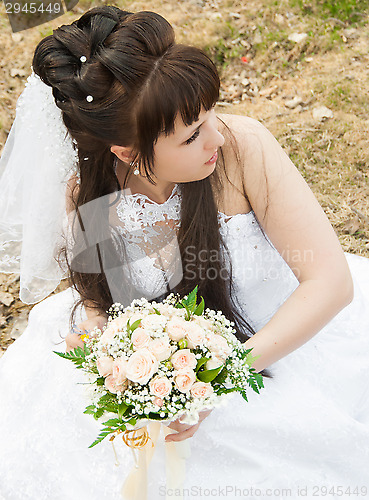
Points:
[(104, 365), (166, 309), (140, 338), (214, 362), (160, 348), (201, 390), (176, 328), (154, 322), (141, 366), (133, 317), (119, 369), (112, 386), (218, 345), (195, 335), (108, 335), (120, 322), (206, 324), (160, 386), (184, 379), (183, 358)]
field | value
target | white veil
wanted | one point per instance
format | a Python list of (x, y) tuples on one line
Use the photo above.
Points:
[(36, 163)]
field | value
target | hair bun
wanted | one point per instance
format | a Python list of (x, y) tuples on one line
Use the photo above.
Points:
[(98, 23)]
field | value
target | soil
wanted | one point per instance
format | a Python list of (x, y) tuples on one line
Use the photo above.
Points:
[(299, 68)]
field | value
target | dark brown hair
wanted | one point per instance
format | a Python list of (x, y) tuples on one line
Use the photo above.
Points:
[(140, 79)]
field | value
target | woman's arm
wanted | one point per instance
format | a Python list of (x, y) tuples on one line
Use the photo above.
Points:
[(308, 309), (299, 229)]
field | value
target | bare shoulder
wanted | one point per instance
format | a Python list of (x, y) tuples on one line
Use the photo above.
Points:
[(244, 151), (251, 138)]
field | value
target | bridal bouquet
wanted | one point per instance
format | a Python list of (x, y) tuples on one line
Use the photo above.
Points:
[(159, 361)]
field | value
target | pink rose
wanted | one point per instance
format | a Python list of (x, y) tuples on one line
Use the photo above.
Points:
[(160, 348), (158, 402), (140, 339), (184, 379), (218, 345), (195, 335), (112, 386), (160, 386), (183, 358), (201, 390), (119, 369), (141, 366), (176, 328), (104, 365)]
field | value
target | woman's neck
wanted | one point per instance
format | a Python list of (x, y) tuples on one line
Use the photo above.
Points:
[(158, 193)]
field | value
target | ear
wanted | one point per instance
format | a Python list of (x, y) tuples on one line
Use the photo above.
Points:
[(124, 153)]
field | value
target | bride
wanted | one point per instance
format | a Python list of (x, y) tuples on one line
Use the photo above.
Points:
[(194, 198)]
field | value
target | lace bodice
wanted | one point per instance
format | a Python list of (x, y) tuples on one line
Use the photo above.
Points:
[(262, 279)]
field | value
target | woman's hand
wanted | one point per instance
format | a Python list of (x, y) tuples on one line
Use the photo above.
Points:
[(73, 339), (185, 431)]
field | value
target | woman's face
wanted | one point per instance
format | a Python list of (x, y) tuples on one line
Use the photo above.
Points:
[(184, 155)]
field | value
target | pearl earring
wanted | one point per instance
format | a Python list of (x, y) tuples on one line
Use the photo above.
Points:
[(136, 171)]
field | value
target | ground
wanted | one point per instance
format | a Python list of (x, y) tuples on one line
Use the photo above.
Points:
[(301, 68)]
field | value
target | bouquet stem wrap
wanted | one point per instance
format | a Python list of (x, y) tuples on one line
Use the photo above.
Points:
[(143, 441)]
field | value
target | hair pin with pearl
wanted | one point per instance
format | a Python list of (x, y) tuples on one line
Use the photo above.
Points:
[(89, 98), (83, 59)]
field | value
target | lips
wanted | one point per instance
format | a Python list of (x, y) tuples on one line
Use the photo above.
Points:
[(213, 158)]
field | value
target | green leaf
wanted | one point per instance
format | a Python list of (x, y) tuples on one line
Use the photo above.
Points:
[(100, 381), (157, 311), (209, 375), (243, 394), (220, 379), (99, 413), (135, 325), (259, 380), (253, 384), (192, 297), (201, 362), (250, 359), (122, 408), (90, 410), (200, 308), (112, 422)]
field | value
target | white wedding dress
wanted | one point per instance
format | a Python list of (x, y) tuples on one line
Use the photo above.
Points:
[(307, 430)]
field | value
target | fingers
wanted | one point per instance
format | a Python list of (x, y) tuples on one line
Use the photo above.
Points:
[(79, 330), (185, 431), (73, 340), (181, 436)]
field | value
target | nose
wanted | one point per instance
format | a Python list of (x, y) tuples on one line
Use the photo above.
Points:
[(215, 139)]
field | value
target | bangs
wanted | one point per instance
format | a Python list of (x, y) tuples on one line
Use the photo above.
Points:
[(184, 82)]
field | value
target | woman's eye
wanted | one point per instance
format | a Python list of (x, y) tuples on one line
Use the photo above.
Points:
[(193, 137)]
